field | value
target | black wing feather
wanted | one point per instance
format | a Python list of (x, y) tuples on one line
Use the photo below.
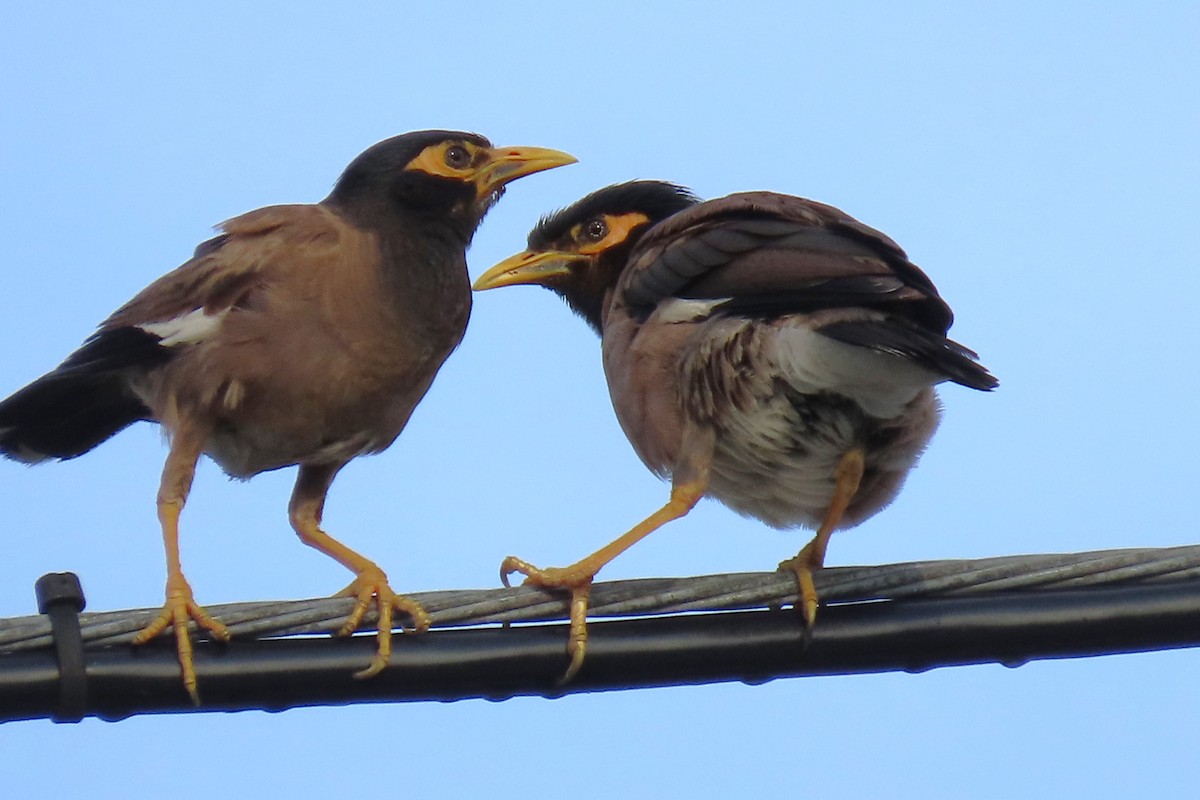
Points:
[(115, 349), (776, 254)]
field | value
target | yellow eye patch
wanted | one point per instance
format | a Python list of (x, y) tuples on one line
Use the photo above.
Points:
[(447, 160), (618, 229)]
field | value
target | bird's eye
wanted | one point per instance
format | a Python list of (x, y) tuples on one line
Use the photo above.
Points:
[(595, 230), (457, 157)]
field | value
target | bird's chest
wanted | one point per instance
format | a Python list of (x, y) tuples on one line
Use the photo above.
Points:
[(334, 384)]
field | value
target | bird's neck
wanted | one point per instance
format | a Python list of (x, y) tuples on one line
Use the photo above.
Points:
[(432, 260)]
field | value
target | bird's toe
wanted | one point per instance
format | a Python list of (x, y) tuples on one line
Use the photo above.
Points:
[(802, 567), (181, 606), (371, 585)]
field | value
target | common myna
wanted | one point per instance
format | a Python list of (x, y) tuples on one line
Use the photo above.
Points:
[(768, 351), (300, 335)]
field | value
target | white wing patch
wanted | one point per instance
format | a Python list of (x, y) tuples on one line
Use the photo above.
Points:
[(190, 328), (680, 310)]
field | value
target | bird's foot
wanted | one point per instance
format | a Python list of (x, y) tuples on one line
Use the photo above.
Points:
[(573, 579), (847, 478), (546, 577), (372, 582), (802, 566), (176, 611)]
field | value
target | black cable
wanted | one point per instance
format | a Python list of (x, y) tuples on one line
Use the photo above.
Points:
[(496, 663), (644, 596)]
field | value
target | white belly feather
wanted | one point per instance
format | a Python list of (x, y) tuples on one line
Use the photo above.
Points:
[(802, 401)]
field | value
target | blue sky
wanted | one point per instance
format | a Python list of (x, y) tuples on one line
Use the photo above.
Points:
[(1037, 160)]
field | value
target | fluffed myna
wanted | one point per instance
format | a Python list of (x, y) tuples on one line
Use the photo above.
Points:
[(768, 351), (301, 335)]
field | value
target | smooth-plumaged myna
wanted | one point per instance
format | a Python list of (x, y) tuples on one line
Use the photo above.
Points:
[(768, 351), (301, 335)]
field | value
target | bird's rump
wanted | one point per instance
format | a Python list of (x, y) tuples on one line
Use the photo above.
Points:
[(898, 337)]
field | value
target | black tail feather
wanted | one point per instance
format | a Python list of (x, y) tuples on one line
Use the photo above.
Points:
[(64, 415), (925, 347), (84, 401)]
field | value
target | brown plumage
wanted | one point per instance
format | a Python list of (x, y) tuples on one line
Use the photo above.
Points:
[(766, 350), (301, 335)]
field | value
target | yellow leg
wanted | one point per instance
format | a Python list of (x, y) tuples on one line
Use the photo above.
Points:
[(180, 605), (690, 481), (370, 582), (847, 477), (578, 577)]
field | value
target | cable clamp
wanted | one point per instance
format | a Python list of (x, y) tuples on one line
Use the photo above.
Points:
[(60, 597)]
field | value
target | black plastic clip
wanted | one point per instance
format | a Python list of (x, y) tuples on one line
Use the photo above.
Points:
[(60, 596)]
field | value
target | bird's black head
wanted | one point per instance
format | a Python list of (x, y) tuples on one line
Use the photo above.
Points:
[(580, 251), (442, 180)]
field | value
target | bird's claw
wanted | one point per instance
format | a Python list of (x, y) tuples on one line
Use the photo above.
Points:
[(180, 606), (372, 583), (802, 567), (512, 564), (545, 577), (578, 639)]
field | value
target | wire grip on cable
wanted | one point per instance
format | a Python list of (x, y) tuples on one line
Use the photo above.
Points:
[(60, 597)]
